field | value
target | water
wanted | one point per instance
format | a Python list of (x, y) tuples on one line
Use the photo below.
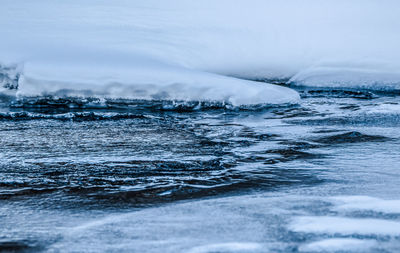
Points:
[(137, 176)]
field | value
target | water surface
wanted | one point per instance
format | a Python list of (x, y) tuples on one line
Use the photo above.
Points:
[(320, 176)]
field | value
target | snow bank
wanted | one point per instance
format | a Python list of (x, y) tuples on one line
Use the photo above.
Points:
[(151, 82), (364, 75), (186, 49)]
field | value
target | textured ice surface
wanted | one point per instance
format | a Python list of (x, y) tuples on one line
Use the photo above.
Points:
[(366, 203), (380, 76), (345, 226), (339, 245)]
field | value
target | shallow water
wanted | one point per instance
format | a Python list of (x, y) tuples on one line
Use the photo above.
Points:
[(320, 176)]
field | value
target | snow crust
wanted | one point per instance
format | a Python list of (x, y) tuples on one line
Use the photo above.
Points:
[(228, 247), (339, 244), (152, 83), (345, 226), (366, 75), (366, 203), (197, 50)]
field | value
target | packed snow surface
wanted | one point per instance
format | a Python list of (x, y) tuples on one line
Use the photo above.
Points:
[(199, 50)]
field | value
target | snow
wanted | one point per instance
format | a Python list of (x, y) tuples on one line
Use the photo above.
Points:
[(339, 244), (366, 203), (199, 50), (227, 247), (345, 226), (151, 82), (365, 75)]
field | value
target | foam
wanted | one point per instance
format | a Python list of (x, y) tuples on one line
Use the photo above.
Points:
[(345, 226), (9, 77)]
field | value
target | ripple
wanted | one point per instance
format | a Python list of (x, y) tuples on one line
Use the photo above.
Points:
[(350, 137)]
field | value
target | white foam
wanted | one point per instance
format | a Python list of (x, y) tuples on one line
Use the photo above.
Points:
[(339, 244), (345, 226), (366, 203), (9, 77)]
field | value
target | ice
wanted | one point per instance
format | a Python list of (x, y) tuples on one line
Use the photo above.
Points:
[(345, 226), (199, 226), (151, 82), (381, 76), (179, 50), (339, 244), (228, 247), (366, 203)]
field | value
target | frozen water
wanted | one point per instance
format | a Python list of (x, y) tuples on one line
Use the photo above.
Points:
[(345, 226), (366, 203), (146, 131), (338, 245), (179, 50), (320, 176)]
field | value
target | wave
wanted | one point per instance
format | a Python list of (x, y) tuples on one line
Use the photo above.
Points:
[(9, 76), (350, 137)]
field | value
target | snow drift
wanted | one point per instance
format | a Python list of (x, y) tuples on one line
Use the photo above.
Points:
[(199, 50)]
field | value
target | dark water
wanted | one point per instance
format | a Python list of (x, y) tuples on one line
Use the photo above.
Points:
[(137, 176)]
